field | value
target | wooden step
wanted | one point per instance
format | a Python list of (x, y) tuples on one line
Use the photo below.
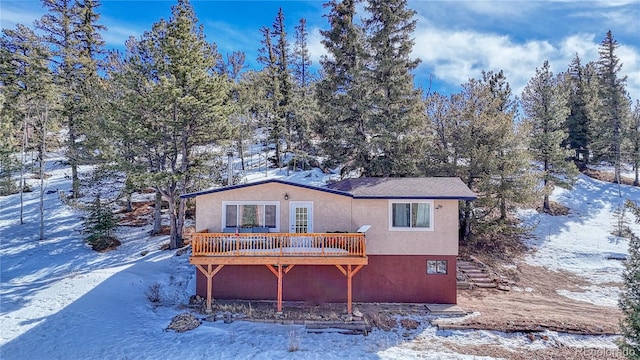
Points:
[(487, 286), (481, 280), (473, 271), (477, 275)]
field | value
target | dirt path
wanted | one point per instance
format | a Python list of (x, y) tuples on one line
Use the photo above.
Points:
[(537, 305)]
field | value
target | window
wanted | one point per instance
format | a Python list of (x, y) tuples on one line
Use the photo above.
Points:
[(247, 214), (435, 267), (411, 216)]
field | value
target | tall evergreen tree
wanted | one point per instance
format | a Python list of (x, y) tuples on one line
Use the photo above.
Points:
[(271, 110), (301, 57), (29, 93), (343, 94), (629, 301), (70, 28), (397, 104), (441, 131), (183, 104), (544, 101), (283, 64), (473, 135), (614, 112), (305, 113), (634, 142), (514, 183), (583, 105)]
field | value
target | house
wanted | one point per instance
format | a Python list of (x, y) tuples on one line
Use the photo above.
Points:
[(286, 241)]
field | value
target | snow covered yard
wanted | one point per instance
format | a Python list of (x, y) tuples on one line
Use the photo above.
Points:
[(582, 242), (61, 300)]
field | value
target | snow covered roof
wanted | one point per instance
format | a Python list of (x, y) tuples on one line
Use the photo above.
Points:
[(376, 188)]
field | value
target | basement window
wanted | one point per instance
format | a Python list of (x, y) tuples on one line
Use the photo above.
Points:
[(436, 267)]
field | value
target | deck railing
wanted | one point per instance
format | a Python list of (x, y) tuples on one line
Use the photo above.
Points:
[(278, 244)]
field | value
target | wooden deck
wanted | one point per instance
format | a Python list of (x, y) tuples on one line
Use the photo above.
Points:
[(279, 252)]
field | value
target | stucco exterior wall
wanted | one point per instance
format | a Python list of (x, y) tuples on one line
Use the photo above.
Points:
[(333, 212), (442, 240), (330, 212), (385, 279)]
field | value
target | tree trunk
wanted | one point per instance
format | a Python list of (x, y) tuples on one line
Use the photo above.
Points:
[(25, 138), (41, 156), (545, 203), (157, 215), (173, 224), (636, 181), (175, 239), (241, 152), (73, 161)]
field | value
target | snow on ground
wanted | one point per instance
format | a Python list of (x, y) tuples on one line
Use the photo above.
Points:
[(582, 241), (61, 300)]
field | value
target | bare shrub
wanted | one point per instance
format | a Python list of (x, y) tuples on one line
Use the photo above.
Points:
[(382, 321), (153, 293), (409, 324), (294, 341)]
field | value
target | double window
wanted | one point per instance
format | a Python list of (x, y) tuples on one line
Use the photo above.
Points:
[(436, 267), (414, 215), (248, 214)]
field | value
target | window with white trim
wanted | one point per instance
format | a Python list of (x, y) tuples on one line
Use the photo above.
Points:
[(411, 215), (248, 214)]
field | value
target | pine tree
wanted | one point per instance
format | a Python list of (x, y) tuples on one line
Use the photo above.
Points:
[(442, 129), (175, 103), (629, 301), (283, 64), (30, 96), (9, 145), (342, 93), (305, 112), (544, 101), (614, 111), (270, 106), (100, 225), (71, 30), (634, 140), (398, 107), (301, 58), (514, 183), (583, 105)]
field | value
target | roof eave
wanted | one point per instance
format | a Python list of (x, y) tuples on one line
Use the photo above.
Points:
[(240, 186), (464, 198)]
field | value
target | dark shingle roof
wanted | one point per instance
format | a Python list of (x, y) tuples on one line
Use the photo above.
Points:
[(377, 188), (428, 188)]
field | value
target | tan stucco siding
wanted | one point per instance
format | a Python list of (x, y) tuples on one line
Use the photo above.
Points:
[(330, 212), (333, 212), (442, 240)]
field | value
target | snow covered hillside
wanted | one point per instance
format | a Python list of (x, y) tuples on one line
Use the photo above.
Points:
[(582, 242), (61, 300)]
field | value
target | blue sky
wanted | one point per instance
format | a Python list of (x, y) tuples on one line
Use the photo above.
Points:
[(455, 39)]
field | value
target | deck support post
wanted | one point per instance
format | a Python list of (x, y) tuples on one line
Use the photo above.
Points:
[(209, 274), (279, 288), (350, 272), (279, 274)]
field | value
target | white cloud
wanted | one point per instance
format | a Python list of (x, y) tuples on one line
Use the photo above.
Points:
[(456, 56), (11, 16), (316, 49)]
